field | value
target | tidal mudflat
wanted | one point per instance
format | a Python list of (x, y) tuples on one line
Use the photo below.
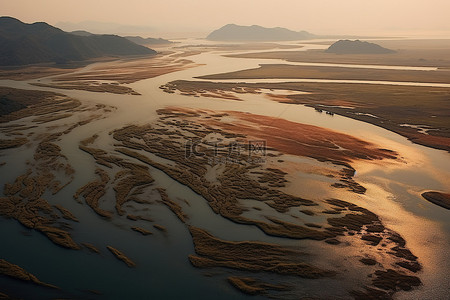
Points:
[(152, 170)]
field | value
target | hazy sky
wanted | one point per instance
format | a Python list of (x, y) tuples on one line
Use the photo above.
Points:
[(316, 16)]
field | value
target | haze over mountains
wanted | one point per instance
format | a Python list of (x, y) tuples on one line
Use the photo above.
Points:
[(96, 27), (135, 39), (357, 47), (40, 42), (23, 44), (147, 41), (233, 32)]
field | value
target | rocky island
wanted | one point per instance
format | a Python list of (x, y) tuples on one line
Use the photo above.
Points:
[(233, 32), (357, 47)]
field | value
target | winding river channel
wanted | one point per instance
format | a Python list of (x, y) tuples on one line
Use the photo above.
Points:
[(393, 193)]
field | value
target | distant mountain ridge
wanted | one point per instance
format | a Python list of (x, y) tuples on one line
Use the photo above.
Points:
[(23, 44), (81, 33), (357, 47), (147, 41), (135, 39), (255, 33)]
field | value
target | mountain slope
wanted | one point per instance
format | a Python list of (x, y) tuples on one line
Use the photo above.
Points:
[(233, 32), (135, 39), (23, 44), (356, 47)]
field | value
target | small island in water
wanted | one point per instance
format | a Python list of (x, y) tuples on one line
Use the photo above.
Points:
[(357, 47), (256, 33)]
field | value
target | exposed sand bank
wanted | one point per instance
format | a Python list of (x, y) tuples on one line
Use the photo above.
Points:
[(391, 107)]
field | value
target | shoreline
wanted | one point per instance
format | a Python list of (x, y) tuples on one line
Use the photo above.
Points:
[(132, 211), (340, 99)]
